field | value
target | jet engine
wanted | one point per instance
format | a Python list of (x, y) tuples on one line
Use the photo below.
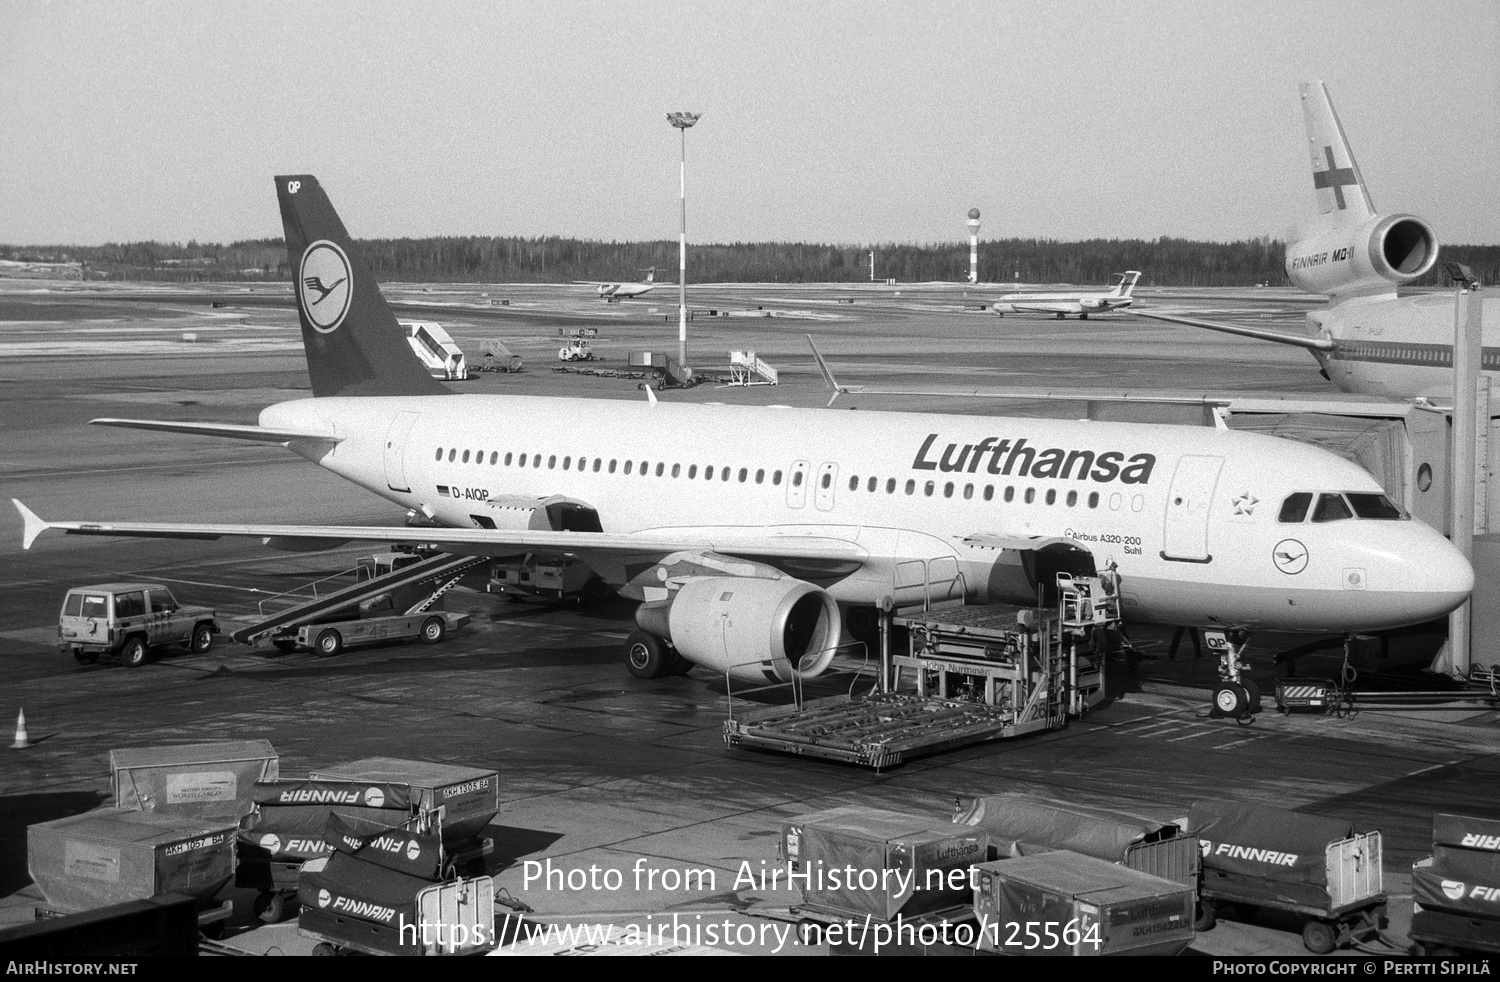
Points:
[(1375, 256), (756, 629)]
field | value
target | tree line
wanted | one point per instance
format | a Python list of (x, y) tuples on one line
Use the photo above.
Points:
[(551, 259)]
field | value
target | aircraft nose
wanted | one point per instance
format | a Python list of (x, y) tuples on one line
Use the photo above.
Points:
[(1431, 577)]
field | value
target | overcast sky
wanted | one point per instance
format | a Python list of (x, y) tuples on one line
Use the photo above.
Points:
[(845, 122)]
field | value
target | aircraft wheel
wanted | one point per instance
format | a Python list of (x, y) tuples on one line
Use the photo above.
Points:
[(328, 643), (1230, 699), (645, 655), (679, 665), (1252, 695), (203, 639), (434, 629), (135, 653), (1319, 937)]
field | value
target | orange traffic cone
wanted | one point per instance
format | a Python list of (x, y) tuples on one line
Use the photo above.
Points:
[(22, 740)]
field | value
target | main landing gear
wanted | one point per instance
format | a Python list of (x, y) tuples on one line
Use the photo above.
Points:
[(1235, 697)]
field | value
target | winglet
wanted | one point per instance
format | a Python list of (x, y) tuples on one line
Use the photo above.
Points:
[(833, 384), (33, 524)]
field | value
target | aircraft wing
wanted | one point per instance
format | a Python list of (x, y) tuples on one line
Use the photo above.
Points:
[(1279, 337), (256, 434), (481, 542)]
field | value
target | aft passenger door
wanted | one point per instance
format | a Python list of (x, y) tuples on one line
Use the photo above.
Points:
[(395, 451), (1185, 533)]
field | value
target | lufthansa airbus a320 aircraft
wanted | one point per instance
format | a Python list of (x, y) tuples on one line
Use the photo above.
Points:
[(746, 531)]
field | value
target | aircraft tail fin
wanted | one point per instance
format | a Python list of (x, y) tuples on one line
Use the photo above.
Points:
[(1127, 282), (1339, 187), (354, 345)]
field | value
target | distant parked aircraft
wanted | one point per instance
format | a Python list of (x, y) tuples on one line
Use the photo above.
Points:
[(1063, 304), (623, 291)]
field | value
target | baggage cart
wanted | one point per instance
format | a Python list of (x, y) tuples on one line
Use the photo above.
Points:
[(1022, 824), (1454, 891), (1065, 903), (111, 856), (200, 780), (468, 796), (448, 918), (909, 865), (1259, 856)]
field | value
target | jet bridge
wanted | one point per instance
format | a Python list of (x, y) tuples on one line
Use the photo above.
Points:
[(421, 580)]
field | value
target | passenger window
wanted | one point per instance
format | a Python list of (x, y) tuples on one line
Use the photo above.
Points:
[(1010, 492), (466, 457), (1331, 508), (523, 460), (911, 487), (568, 462), (494, 456), (1072, 498), (552, 462), (827, 480), (130, 604), (508, 459), (1051, 496), (1093, 499), (452, 454), (929, 488), (536, 461), (853, 484), (760, 475), (692, 471), (676, 469), (73, 606), (1294, 508), (1376, 506), (968, 491), (874, 483), (95, 605), (890, 485), (797, 480), (660, 467), (627, 466), (1030, 495), (439, 454), (744, 473), (989, 492), (1114, 502), (948, 490), (776, 479)]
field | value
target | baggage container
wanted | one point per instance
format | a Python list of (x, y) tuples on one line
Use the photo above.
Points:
[(200, 780), (349, 905), (111, 856), (468, 796), (903, 865), (1456, 891), (1065, 903), (1022, 824), (1261, 856)]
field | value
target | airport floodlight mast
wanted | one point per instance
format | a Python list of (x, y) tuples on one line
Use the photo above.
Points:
[(973, 224), (682, 121)]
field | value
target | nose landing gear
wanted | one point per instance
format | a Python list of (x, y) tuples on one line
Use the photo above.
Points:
[(1235, 697)]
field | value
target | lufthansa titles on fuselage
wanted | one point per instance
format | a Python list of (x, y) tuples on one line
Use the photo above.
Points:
[(1006, 458)]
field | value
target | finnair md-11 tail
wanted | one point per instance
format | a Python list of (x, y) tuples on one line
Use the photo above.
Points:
[(746, 532)]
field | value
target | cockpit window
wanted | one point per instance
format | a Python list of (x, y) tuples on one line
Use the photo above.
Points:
[(1331, 508), (1294, 508), (1376, 506)]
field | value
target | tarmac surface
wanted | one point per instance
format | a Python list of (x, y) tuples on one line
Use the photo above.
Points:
[(600, 771)]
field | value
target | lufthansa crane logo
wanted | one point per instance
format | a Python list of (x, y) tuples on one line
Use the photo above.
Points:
[(324, 286), (1290, 556)]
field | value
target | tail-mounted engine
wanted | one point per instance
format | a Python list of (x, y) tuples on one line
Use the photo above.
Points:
[(1375, 256), (756, 629)]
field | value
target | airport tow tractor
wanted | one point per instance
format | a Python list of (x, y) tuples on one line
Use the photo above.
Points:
[(977, 673), (577, 349)]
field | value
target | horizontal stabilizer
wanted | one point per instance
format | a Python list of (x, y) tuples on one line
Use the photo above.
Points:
[(258, 434)]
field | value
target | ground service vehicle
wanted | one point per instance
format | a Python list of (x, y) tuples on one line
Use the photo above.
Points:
[(131, 620), (577, 349)]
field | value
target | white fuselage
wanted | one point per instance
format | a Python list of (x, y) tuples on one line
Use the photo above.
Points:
[(1188, 515), (1400, 347), (1059, 303)]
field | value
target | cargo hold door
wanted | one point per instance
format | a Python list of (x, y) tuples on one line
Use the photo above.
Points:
[(395, 451), (1185, 534)]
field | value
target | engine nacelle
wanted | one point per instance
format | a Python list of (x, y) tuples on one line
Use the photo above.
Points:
[(1375, 256), (756, 629)]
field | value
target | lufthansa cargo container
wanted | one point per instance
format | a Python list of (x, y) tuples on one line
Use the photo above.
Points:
[(110, 856), (883, 864), (468, 796), (1064, 903), (200, 780)]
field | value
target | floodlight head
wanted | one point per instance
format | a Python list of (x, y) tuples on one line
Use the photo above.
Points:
[(973, 213), (683, 120)]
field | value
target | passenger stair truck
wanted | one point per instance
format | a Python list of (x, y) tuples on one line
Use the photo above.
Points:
[(746, 369), (435, 348), (1260, 856), (404, 582), (1456, 890)]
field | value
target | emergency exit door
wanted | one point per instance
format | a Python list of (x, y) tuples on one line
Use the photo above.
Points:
[(1185, 536)]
